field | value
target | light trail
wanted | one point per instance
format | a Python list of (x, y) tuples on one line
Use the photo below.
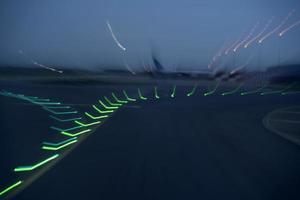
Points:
[(127, 97), (247, 37), (255, 91), (260, 33), (156, 93), (114, 37), (233, 91), (216, 56), (233, 45), (173, 91), (213, 90), (6, 190), (39, 64), (127, 66), (140, 95), (111, 103), (75, 134), (279, 91), (193, 91), (107, 107), (33, 167), (51, 148), (95, 117), (117, 99), (87, 125), (277, 27), (289, 28), (242, 66)]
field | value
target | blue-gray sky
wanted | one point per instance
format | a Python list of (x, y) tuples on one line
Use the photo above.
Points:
[(184, 34)]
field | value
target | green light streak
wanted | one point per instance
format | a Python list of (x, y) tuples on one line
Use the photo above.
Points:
[(67, 129), (110, 103), (75, 134), (233, 91), (107, 107), (292, 92), (59, 147), (173, 91), (254, 91), (59, 143), (140, 95), (57, 107), (117, 99), (10, 188), (214, 90), (278, 91), (102, 112), (156, 93), (95, 117), (59, 112), (65, 120), (30, 168), (127, 97), (86, 125), (192, 92)]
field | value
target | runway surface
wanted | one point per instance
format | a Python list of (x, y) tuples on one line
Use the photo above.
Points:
[(196, 147)]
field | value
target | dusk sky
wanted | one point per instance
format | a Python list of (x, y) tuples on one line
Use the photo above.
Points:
[(182, 34)]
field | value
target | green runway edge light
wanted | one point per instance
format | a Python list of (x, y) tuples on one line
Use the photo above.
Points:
[(254, 91), (102, 111), (75, 134), (214, 90), (86, 125), (173, 91), (67, 129), (127, 97), (192, 92), (107, 107), (233, 91), (65, 120), (95, 117), (111, 103), (59, 143), (3, 192), (278, 91), (117, 99), (156, 93), (140, 95), (30, 168), (59, 112), (51, 148)]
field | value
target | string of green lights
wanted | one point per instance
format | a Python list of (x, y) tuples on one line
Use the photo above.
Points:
[(51, 148), (60, 112), (8, 189), (279, 91), (59, 143), (234, 90), (64, 120), (111, 103), (173, 91), (33, 167), (107, 107), (213, 90), (141, 96), (156, 93), (127, 97), (117, 99), (88, 124), (255, 91), (192, 92), (75, 134), (95, 117), (102, 111)]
